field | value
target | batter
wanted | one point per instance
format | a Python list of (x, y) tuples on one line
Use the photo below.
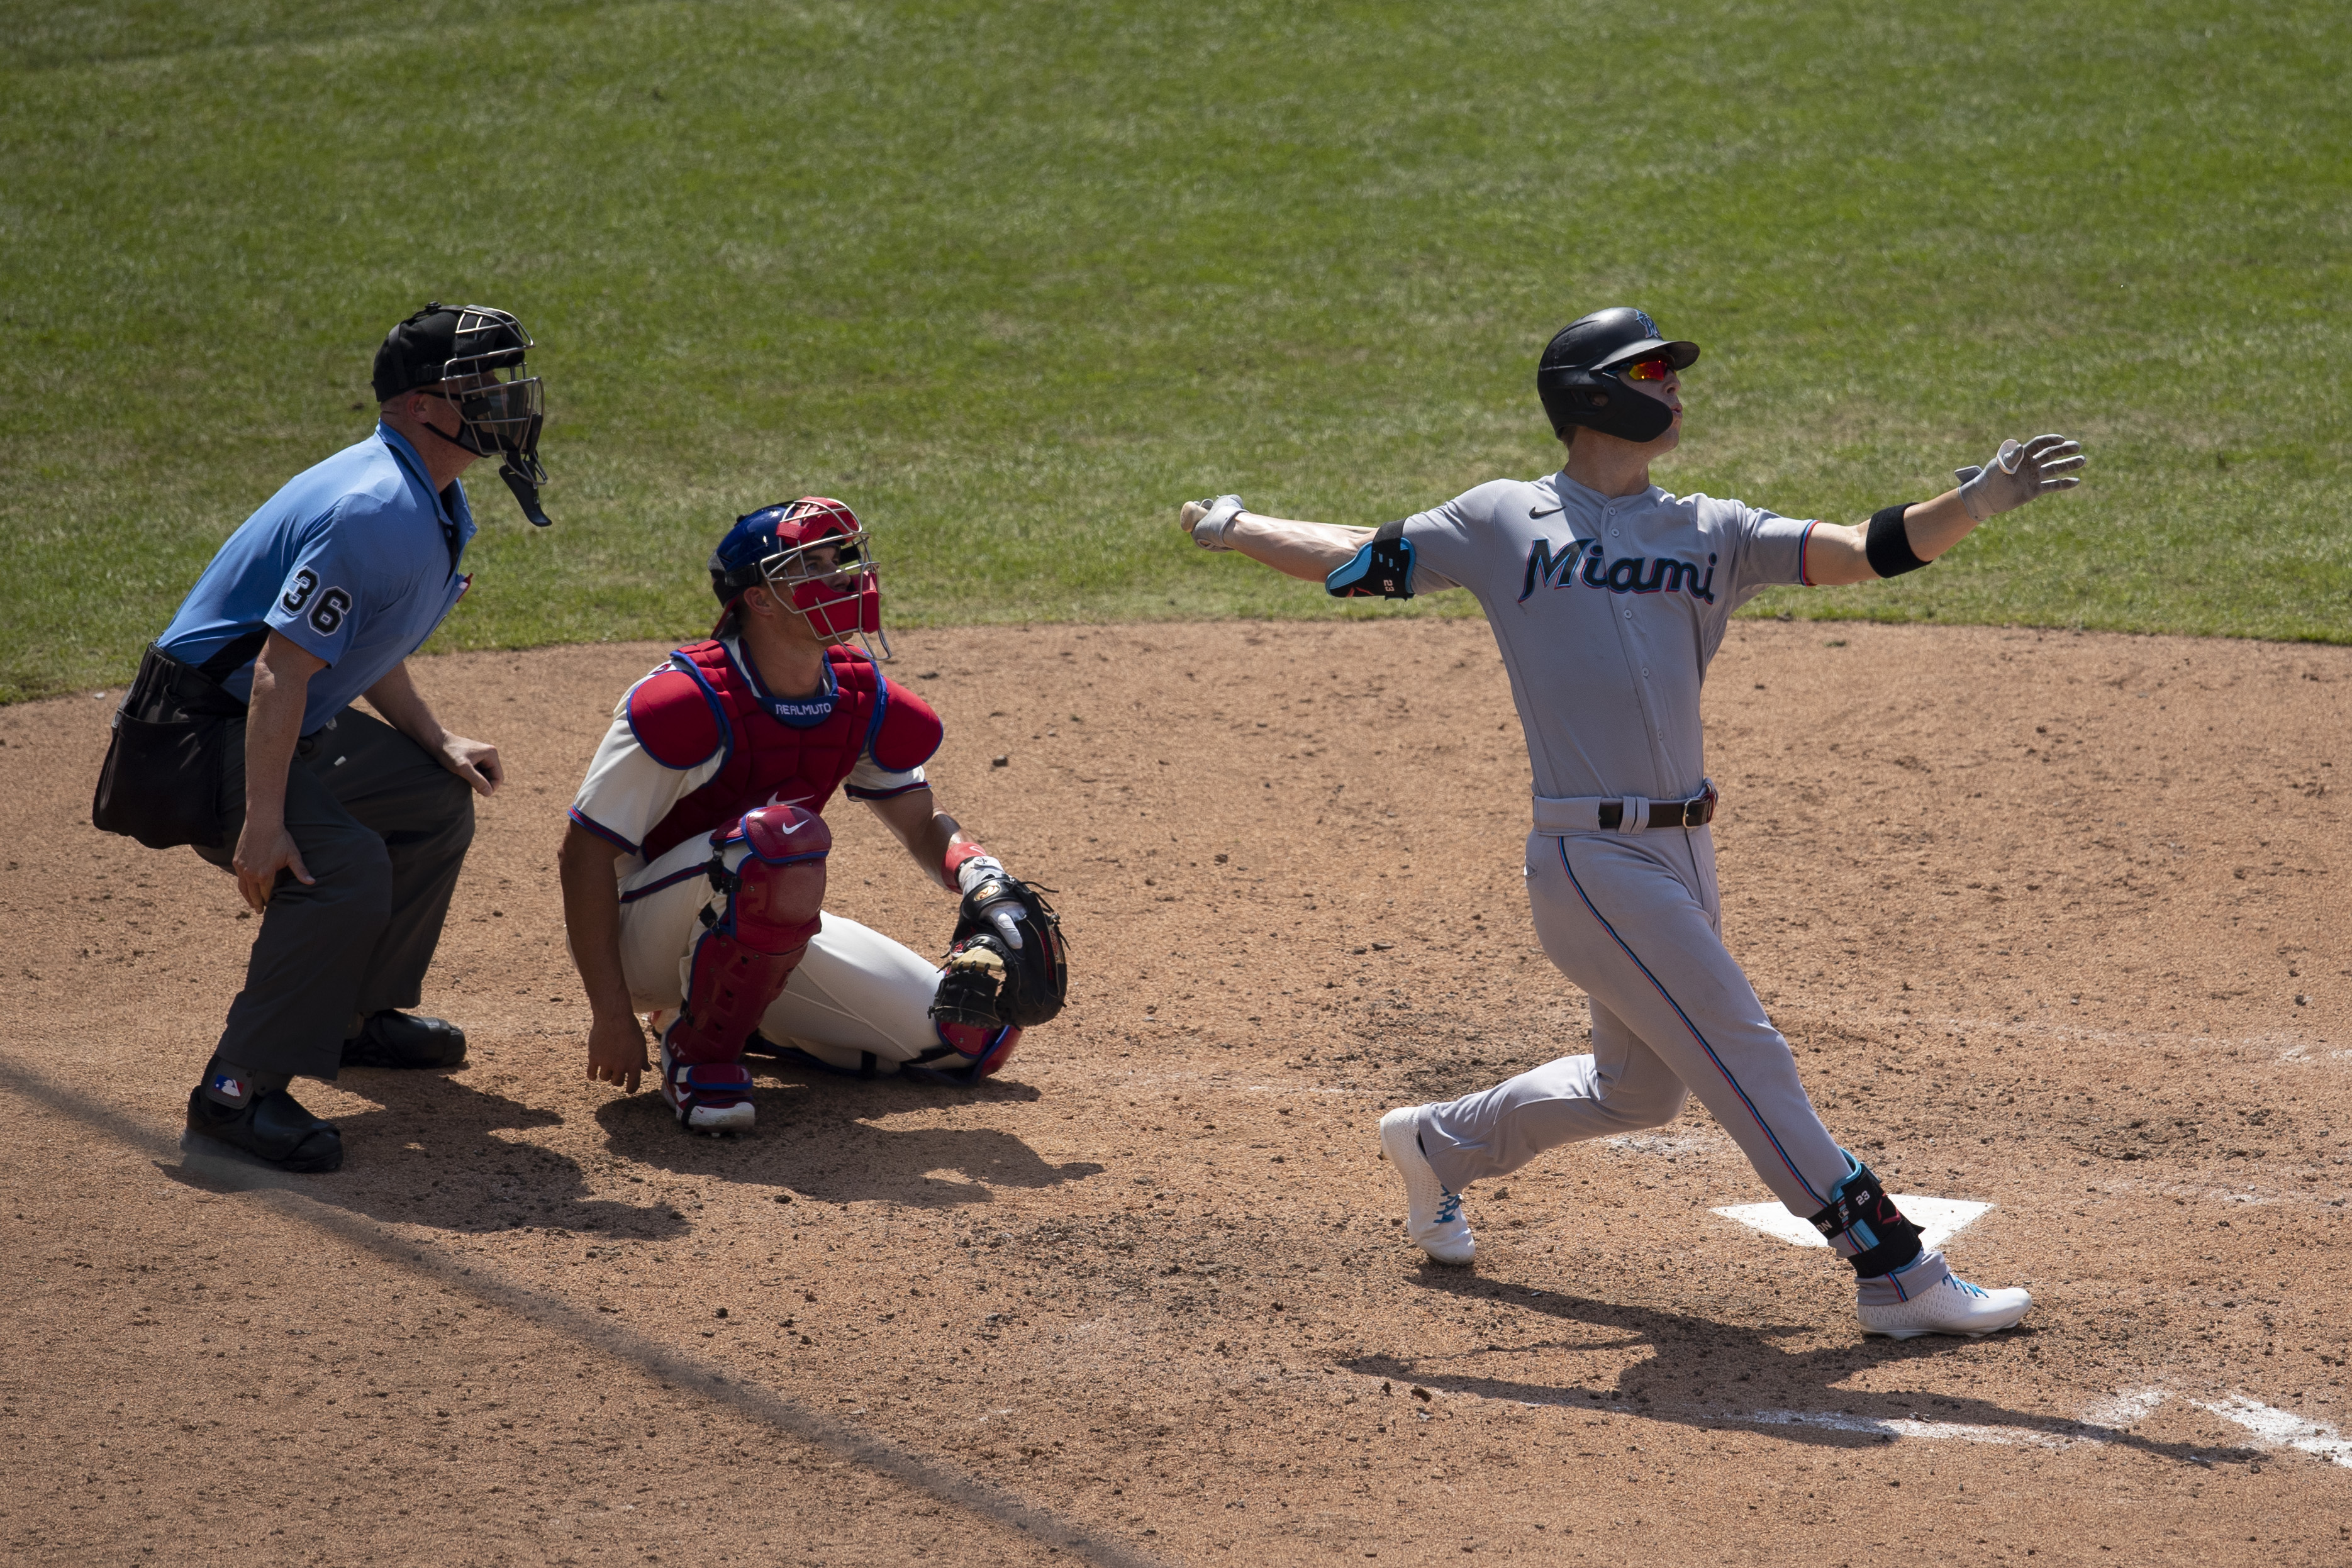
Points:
[(1608, 596)]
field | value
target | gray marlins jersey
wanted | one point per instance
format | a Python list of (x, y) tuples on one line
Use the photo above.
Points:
[(1607, 613)]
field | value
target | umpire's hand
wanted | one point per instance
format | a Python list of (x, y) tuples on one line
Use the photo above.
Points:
[(475, 761), (263, 850)]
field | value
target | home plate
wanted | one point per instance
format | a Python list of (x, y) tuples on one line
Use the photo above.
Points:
[(1938, 1219)]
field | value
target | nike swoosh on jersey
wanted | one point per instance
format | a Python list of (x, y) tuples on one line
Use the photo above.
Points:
[(1545, 513)]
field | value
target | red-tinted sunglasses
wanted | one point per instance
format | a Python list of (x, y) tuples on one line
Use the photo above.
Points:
[(1656, 370)]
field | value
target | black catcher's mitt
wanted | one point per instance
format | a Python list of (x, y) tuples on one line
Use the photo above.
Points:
[(991, 982)]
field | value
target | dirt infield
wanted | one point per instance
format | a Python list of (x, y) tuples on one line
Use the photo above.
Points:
[(2050, 920)]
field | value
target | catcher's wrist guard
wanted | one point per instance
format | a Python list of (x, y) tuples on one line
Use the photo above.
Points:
[(987, 983), (961, 853)]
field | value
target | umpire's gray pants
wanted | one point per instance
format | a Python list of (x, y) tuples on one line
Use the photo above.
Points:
[(383, 828), (1634, 919)]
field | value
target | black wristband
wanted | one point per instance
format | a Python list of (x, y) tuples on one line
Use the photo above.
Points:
[(1887, 545)]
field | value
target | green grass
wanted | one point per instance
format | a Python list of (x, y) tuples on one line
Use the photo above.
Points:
[(1015, 279)]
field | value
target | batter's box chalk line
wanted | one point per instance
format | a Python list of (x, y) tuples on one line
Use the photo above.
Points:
[(1930, 1431), (2268, 1425), (2105, 1421), (1938, 1219)]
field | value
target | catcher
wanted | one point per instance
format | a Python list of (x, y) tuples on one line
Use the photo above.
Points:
[(694, 868)]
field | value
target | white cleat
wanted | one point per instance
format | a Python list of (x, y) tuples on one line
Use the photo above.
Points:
[(1948, 1305), (707, 1097), (1433, 1216)]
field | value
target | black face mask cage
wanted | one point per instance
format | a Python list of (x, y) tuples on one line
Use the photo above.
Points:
[(500, 409)]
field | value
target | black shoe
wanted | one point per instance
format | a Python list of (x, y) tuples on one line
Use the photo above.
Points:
[(402, 1040), (270, 1129)]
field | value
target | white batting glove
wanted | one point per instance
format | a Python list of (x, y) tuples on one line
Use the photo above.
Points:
[(2019, 474), (1207, 521), (974, 871)]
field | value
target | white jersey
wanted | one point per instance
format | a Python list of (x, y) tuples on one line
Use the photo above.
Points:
[(1607, 611)]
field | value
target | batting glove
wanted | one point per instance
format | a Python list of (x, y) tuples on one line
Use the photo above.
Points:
[(2019, 474), (979, 869), (1208, 520)]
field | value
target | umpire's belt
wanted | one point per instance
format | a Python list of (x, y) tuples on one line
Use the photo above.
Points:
[(1556, 815)]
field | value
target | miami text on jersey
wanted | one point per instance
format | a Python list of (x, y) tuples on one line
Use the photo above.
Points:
[(1627, 574)]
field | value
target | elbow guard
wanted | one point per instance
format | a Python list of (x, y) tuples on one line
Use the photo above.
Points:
[(1888, 545), (1382, 569)]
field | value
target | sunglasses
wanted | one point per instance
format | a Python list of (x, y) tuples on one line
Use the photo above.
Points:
[(1653, 369)]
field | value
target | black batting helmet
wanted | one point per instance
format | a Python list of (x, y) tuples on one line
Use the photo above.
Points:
[(1577, 377)]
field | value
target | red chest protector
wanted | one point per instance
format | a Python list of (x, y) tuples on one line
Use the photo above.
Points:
[(796, 752)]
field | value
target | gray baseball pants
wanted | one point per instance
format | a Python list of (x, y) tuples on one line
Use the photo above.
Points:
[(383, 828), (1634, 920)]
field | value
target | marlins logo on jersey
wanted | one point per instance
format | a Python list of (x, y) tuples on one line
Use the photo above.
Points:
[(1626, 574)]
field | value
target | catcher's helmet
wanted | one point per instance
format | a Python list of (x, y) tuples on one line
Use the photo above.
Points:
[(1578, 381), (816, 558), (472, 356)]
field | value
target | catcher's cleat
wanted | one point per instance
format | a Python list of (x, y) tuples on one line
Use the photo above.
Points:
[(271, 1128), (708, 1096), (1928, 1297), (393, 1039), (1433, 1215)]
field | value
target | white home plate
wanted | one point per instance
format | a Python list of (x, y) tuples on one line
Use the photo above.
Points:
[(1938, 1219)]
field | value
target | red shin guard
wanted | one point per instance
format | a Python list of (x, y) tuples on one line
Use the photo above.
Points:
[(755, 941), (983, 1050)]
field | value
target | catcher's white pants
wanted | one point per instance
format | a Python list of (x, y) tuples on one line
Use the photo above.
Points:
[(1634, 920), (855, 989)]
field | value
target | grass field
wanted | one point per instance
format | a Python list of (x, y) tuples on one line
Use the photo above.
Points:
[(1015, 279)]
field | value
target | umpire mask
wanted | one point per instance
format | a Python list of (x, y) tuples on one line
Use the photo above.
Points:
[(471, 356)]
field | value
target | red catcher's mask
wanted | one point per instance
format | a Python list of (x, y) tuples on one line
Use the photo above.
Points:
[(825, 570)]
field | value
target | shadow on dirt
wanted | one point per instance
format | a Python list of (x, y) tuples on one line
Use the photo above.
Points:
[(819, 1139), (1716, 1375), (427, 1155)]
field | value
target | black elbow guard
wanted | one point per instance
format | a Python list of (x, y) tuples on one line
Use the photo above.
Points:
[(1887, 545), (1382, 569)]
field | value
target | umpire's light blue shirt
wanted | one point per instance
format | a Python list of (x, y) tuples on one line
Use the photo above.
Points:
[(355, 560)]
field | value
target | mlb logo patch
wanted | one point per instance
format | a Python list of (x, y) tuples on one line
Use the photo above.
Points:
[(228, 1084)]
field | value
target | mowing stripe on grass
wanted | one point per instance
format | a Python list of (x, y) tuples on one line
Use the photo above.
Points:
[(1016, 278)]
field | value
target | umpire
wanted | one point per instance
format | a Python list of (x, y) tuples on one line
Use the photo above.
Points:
[(345, 831)]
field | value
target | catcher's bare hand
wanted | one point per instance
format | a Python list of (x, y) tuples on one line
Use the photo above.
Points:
[(616, 1050), (2019, 474)]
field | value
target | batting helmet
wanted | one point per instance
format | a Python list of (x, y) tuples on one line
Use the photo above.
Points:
[(1577, 377), (816, 558)]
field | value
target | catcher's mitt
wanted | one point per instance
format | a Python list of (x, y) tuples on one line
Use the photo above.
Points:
[(989, 982)]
